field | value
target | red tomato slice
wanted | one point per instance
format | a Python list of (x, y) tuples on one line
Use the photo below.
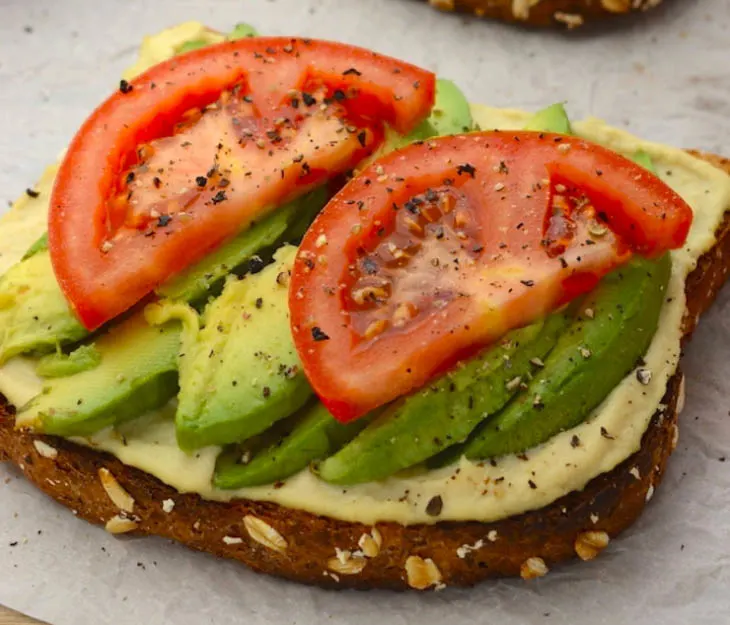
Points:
[(440, 248), (197, 148)]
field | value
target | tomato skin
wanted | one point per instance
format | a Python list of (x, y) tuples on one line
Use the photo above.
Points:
[(511, 182), (102, 283)]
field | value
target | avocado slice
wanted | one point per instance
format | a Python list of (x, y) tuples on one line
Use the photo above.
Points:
[(242, 31), (286, 223), (60, 365), (425, 423), (609, 336), (139, 373), (240, 372), (451, 113), (640, 157), (551, 119), (34, 314), (314, 435), (40, 245)]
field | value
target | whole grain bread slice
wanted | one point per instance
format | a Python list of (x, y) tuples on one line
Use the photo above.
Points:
[(301, 546), (560, 13)]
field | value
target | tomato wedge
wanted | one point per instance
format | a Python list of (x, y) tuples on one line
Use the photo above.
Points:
[(197, 148), (441, 248)]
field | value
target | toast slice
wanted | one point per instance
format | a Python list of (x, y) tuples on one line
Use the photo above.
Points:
[(301, 546), (561, 13)]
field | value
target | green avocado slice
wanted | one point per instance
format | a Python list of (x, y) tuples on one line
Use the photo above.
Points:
[(285, 224), (596, 352), (239, 372), (315, 435), (240, 31), (34, 314), (551, 119), (60, 365), (451, 113), (137, 373), (40, 245), (442, 414)]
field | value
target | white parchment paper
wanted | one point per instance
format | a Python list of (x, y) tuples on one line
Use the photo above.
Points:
[(665, 75)]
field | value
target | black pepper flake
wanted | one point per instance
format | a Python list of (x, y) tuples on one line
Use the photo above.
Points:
[(259, 302), (157, 182), (528, 282), (575, 441), (219, 197), (308, 99), (362, 137), (32, 193), (466, 168), (130, 177), (434, 506), (124, 86), (319, 335), (163, 220), (532, 484), (255, 264), (266, 392), (274, 136), (351, 72), (339, 95), (605, 434), (201, 181), (369, 266)]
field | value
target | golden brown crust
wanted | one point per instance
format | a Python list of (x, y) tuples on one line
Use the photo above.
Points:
[(561, 13), (303, 547)]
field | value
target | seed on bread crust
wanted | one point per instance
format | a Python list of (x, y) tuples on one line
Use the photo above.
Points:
[(119, 524), (120, 497), (45, 450), (369, 545), (616, 6), (422, 573), (350, 566), (571, 20), (264, 534), (533, 568), (521, 8), (681, 396), (589, 544)]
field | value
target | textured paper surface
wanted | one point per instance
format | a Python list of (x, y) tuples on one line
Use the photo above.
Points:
[(666, 76)]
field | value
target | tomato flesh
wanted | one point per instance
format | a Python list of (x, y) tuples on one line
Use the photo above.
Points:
[(197, 148), (441, 248)]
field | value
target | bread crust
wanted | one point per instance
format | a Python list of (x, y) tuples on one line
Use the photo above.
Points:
[(302, 546), (556, 13)]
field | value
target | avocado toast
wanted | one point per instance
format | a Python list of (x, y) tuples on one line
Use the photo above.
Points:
[(327, 550)]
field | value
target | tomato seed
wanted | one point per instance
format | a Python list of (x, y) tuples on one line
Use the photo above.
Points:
[(375, 328)]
